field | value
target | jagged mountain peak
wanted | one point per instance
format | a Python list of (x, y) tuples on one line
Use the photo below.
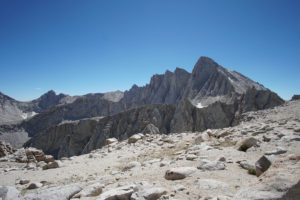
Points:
[(205, 64)]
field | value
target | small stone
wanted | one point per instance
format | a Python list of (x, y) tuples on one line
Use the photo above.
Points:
[(52, 165), (222, 159), (23, 181)]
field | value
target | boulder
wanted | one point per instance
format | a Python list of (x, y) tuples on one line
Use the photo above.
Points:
[(120, 193), (6, 149), (111, 141), (223, 134), (262, 165), (179, 173), (9, 193), (247, 143), (135, 138), (48, 158), (90, 191), (34, 185), (54, 193), (52, 165), (149, 194), (34, 155), (207, 165)]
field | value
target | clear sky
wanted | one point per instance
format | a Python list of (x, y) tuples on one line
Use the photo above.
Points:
[(79, 46)]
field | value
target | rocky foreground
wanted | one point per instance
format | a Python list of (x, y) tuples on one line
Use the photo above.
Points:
[(257, 159)]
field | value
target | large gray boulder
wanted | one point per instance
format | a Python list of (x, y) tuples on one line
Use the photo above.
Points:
[(54, 193), (9, 193), (120, 193), (149, 194)]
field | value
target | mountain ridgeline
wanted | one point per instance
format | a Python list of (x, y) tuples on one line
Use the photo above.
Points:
[(209, 97)]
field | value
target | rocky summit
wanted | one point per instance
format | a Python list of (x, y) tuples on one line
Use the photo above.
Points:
[(258, 159)]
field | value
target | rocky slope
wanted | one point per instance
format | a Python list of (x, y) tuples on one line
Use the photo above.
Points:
[(259, 159)]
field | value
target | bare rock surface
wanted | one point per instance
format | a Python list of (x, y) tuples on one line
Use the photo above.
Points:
[(100, 175)]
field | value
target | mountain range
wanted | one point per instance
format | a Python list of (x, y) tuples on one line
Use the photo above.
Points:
[(208, 97)]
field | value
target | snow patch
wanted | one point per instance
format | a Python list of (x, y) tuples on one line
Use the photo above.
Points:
[(28, 115), (199, 105)]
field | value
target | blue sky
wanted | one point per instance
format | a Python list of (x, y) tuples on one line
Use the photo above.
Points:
[(78, 47)]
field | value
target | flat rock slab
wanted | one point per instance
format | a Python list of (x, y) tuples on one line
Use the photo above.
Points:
[(179, 173)]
